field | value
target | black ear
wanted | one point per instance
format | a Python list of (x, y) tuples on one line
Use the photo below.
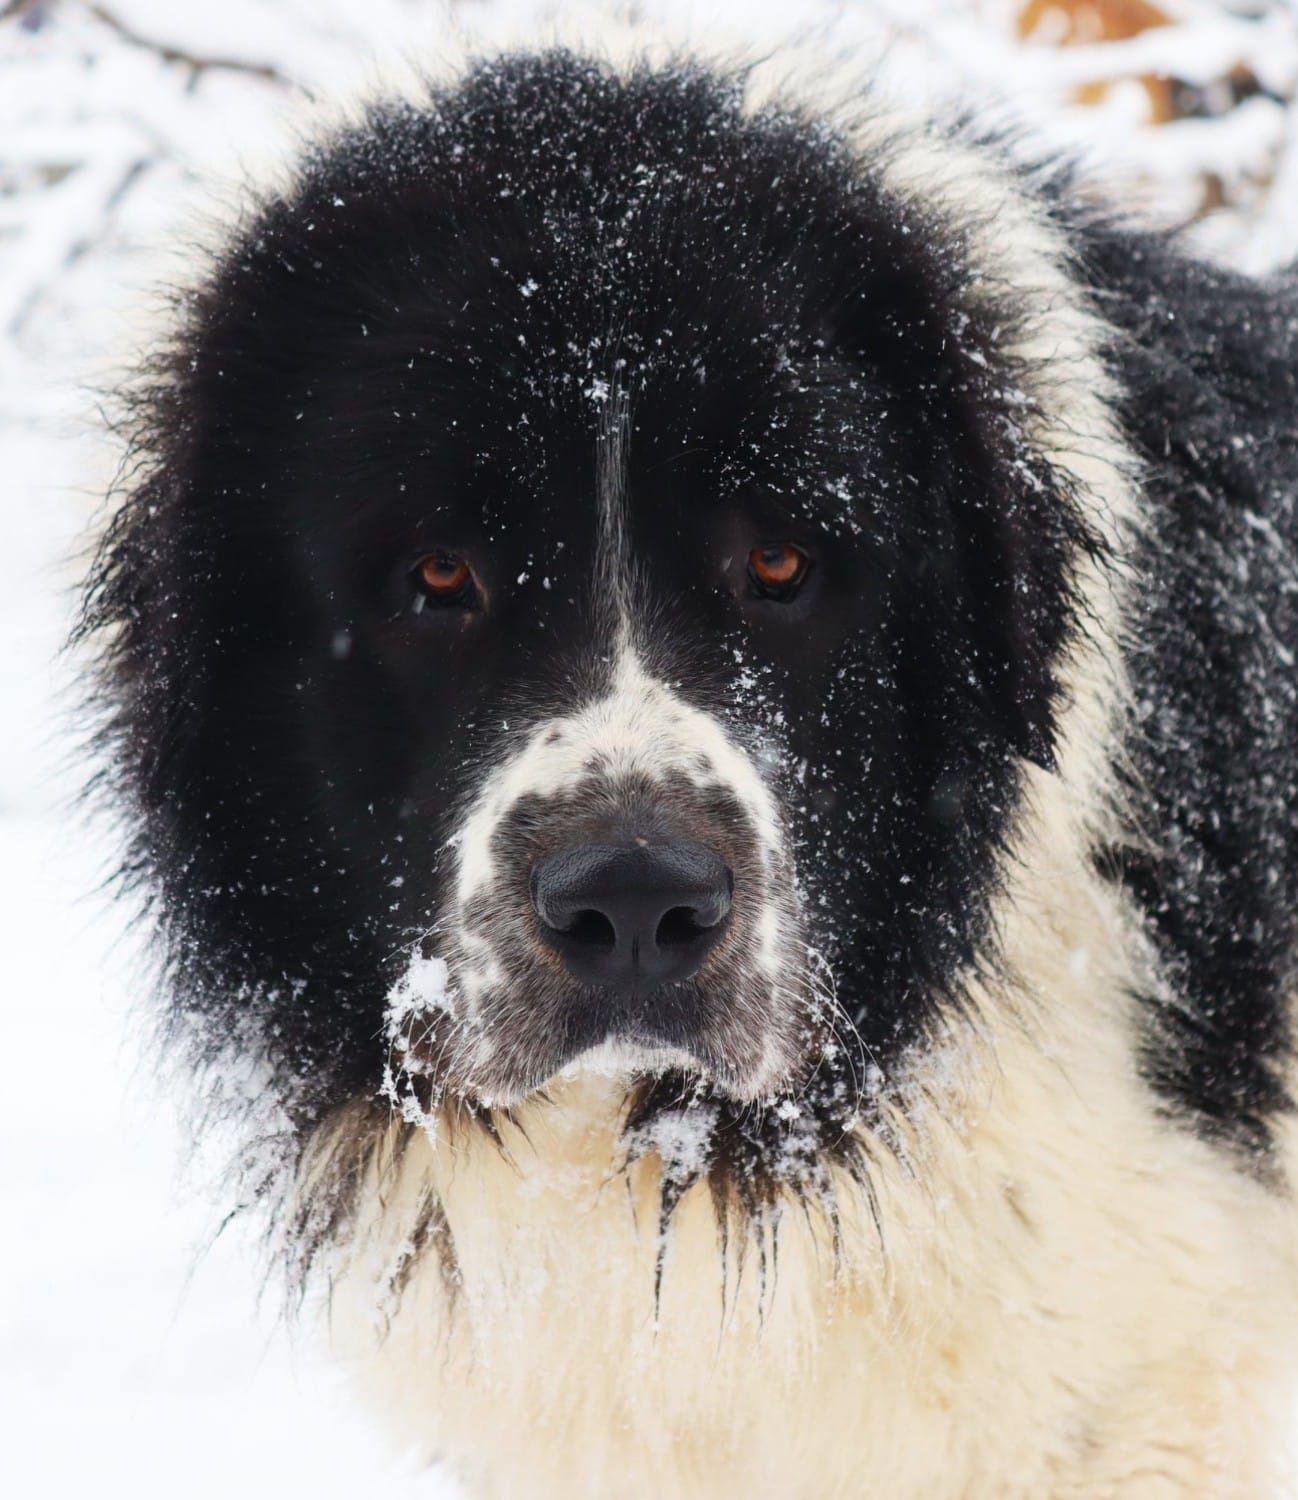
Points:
[(1002, 530), (1014, 535)]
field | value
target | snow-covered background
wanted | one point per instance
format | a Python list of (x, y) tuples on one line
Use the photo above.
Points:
[(133, 1358)]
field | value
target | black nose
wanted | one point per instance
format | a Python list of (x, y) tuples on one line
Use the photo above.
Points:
[(630, 917)]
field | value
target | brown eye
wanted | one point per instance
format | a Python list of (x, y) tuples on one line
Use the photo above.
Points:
[(777, 572), (444, 578)]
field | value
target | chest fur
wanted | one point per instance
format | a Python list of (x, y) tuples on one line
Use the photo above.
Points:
[(1061, 1297)]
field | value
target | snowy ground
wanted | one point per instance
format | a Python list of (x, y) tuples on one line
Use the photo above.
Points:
[(132, 1362)]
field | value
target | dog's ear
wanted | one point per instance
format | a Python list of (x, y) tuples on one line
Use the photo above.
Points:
[(186, 604), (1001, 533), (1017, 566)]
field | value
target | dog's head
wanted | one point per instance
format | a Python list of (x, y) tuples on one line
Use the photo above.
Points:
[(590, 554)]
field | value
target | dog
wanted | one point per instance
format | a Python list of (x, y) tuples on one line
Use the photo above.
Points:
[(702, 679)]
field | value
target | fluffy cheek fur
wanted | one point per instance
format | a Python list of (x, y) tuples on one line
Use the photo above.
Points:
[(1057, 1287), (639, 760)]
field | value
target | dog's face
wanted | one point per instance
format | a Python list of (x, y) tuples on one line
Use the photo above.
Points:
[(593, 542)]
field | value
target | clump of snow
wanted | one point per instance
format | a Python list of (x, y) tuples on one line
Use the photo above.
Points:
[(424, 988), (682, 1139), (418, 1004), (799, 1155)]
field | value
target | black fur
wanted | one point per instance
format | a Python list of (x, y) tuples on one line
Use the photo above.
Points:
[(1209, 362), (404, 352)]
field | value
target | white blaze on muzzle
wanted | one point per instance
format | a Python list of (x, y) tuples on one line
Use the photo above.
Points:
[(640, 728)]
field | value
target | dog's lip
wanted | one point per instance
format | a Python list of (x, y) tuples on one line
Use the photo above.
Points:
[(627, 1052), (621, 1056)]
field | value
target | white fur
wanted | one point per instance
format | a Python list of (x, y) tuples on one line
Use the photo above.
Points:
[(639, 727), (1071, 1297)]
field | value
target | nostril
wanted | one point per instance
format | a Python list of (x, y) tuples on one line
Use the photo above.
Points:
[(590, 929), (681, 925)]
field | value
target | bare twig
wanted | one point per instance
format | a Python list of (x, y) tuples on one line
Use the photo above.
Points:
[(172, 54), (167, 51)]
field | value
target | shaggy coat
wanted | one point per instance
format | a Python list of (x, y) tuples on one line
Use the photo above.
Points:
[(605, 454)]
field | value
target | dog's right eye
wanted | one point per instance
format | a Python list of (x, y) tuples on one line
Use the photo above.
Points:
[(444, 578), (777, 572)]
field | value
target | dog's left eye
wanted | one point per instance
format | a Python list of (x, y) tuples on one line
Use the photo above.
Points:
[(444, 578), (777, 572)]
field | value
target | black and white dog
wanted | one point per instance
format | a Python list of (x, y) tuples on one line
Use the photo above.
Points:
[(705, 681)]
